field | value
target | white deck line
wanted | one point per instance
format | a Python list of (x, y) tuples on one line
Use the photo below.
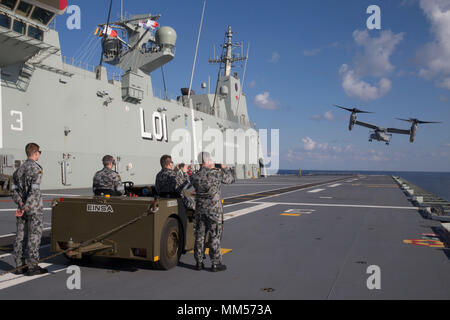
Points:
[(10, 254), (239, 213), (13, 234), (11, 280), (272, 196), (335, 185), (337, 205), (61, 195), (14, 210), (316, 191)]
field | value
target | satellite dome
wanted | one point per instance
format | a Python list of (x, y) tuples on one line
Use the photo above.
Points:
[(166, 37)]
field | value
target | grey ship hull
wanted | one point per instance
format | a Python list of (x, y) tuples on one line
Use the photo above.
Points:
[(61, 108)]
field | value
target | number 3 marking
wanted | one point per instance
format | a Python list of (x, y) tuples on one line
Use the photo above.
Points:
[(19, 120)]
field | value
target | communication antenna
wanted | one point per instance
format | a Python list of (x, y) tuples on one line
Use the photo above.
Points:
[(121, 10), (106, 33)]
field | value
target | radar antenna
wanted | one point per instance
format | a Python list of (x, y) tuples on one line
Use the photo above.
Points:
[(228, 58)]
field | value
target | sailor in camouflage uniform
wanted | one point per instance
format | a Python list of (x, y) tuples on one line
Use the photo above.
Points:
[(108, 181), (171, 184), (27, 195), (209, 214)]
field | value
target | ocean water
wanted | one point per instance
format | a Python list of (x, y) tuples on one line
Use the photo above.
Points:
[(435, 182)]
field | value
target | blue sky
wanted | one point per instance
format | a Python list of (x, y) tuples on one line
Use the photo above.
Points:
[(308, 55)]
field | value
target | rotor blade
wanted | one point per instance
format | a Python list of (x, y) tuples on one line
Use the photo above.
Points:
[(410, 120), (360, 111), (106, 33), (427, 122), (354, 110), (344, 108)]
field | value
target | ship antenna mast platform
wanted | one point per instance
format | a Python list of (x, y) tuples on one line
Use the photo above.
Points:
[(227, 58)]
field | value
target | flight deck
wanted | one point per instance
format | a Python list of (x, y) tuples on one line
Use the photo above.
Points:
[(286, 237)]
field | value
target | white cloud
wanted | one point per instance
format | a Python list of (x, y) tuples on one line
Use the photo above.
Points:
[(264, 101), (252, 84), (315, 151), (435, 56), (308, 144), (275, 57), (355, 87), (326, 116), (374, 61)]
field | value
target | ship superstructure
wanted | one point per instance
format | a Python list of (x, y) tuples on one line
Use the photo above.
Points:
[(79, 115)]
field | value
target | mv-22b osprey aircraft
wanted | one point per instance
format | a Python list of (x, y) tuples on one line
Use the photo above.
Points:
[(384, 134)]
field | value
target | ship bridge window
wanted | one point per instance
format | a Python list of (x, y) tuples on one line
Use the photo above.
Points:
[(10, 4), (19, 26), (42, 16), (24, 8), (5, 21), (35, 33)]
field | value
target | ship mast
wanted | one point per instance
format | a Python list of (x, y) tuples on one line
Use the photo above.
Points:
[(228, 59)]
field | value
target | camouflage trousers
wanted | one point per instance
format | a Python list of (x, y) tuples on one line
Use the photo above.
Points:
[(28, 239), (204, 225)]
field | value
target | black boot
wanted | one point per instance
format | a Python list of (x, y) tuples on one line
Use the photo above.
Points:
[(218, 267), (200, 266), (37, 271), (21, 271)]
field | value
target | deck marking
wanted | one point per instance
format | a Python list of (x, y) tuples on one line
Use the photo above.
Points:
[(338, 205), (60, 195), (316, 191), (300, 211), (13, 234), (326, 197), (425, 243), (10, 254), (243, 212), (335, 185), (11, 280), (14, 210), (291, 214), (273, 196)]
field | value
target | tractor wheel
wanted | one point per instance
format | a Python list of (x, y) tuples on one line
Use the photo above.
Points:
[(170, 245)]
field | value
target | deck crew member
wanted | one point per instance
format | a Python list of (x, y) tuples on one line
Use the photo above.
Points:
[(108, 181), (209, 214), (26, 193), (169, 184), (4, 182)]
